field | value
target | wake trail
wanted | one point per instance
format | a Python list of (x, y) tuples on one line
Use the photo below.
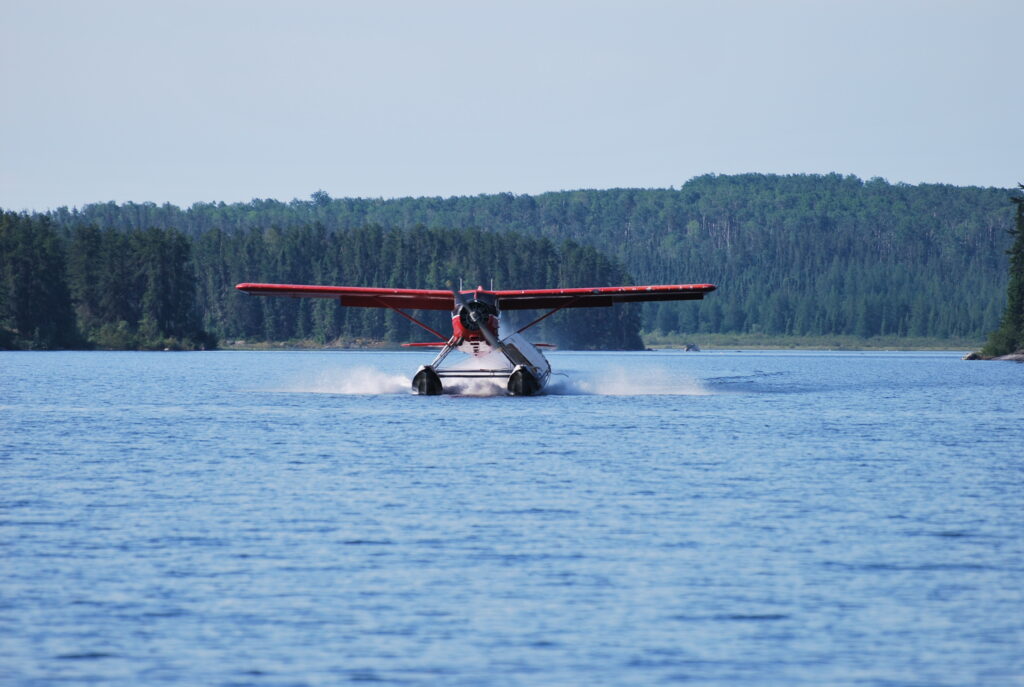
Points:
[(356, 381), (371, 381)]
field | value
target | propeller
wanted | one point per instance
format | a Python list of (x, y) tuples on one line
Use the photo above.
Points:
[(479, 319), (522, 381)]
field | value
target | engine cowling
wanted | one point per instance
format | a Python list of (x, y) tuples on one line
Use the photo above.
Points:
[(473, 313)]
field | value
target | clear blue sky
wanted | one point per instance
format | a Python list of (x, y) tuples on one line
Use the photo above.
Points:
[(197, 101)]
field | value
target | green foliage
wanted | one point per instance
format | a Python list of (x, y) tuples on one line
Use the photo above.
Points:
[(138, 288), (1009, 338), (418, 258), (792, 255), (35, 306), (801, 255), (133, 289)]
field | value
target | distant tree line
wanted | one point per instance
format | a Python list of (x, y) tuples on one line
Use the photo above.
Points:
[(93, 287), (1009, 338), (35, 302), (107, 287), (796, 255), (394, 258)]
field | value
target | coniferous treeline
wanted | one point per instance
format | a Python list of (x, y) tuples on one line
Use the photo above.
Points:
[(35, 304), (134, 289), (393, 258), (92, 287), (798, 255), (157, 288)]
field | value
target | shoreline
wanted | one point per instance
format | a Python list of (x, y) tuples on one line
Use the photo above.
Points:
[(723, 345), (810, 343)]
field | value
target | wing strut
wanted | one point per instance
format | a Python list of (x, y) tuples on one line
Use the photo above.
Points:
[(548, 314), (411, 319)]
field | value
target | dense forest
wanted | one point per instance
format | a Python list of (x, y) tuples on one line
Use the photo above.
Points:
[(415, 258), (96, 287), (158, 288), (792, 255)]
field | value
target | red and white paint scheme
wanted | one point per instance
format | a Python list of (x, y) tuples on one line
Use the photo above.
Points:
[(476, 324)]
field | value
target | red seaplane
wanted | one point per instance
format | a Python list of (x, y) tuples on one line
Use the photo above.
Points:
[(476, 325)]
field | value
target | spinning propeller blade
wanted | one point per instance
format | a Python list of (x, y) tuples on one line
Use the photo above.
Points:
[(480, 321)]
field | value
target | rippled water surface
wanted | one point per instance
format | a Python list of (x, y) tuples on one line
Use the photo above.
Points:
[(723, 518)]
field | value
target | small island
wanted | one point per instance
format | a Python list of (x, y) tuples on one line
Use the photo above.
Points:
[(1007, 342)]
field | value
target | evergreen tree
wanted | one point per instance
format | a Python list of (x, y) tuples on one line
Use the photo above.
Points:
[(35, 304), (800, 254), (830, 242), (1010, 335)]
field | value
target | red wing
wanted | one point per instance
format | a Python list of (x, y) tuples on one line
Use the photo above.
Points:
[(602, 296), (412, 299)]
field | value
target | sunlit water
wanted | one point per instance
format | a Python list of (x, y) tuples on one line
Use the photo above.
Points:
[(713, 518)]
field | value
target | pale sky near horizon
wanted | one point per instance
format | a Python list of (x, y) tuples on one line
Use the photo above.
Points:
[(185, 101)]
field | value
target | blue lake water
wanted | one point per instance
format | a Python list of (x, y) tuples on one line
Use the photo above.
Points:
[(719, 518)]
